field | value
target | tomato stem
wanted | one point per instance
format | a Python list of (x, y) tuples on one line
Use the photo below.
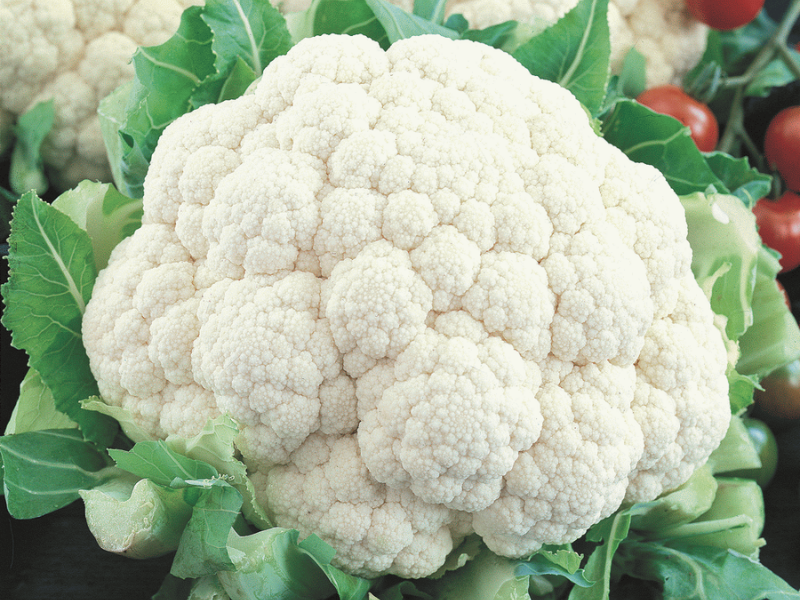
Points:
[(734, 128), (789, 59)]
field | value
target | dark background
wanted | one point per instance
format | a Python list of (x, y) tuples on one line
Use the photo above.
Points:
[(56, 557)]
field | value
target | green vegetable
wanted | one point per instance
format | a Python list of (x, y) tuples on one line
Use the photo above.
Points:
[(52, 270), (45, 470)]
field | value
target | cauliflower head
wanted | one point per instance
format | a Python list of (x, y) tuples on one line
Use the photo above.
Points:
[(76, 52), (435, 301)]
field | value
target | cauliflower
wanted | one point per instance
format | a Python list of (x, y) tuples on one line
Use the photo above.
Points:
[(433, 299), (671, 40), (76, 52)]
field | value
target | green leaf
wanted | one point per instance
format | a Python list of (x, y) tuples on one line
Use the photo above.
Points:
[(743, 181), (166, 77), (203, 546), (775, 74), (404, 589), (487, 576), (773, 340), (561, 563), (135, 517), (43, 470), (662, 141), (399, 24), (35, 408), (734, 51), (611, 532), (217, 51), (215, 503), (457, 22), (574, 52), (702, 572), (27, 168), (430, 10), (226, 87), (175, 588), (495, 36), (271, 564), (349, 17), (736, 451), (111, 114), (156, 461), (51, 274), (348, 587), (725, 248), (215, 445), (738, 46), (128, 423), (633, 76), (104, 213), (734, 521), (246, 36), (247, 30)]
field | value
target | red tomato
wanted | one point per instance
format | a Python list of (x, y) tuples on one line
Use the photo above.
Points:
[(779, 225), (724, 14), (782, 146), (672, 100)]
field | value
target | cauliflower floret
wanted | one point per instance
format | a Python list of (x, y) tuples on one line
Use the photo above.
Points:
[(435, 301), (280, 355), (410, 437), (589, 440), (327, 488), (76, 52)]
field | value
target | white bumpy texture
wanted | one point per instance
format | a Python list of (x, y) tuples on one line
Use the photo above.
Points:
[(435, 301)]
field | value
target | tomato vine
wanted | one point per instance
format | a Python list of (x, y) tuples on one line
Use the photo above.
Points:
[(775, 47)]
